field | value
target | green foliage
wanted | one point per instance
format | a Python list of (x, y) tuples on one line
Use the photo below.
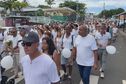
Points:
[(7, 4), (12, 4), (49, 2), (111, 12), (43, 6), (19, 5), (40, 12), (78, 7)]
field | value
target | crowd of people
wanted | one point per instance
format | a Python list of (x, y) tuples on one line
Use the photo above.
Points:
[(37, 51)]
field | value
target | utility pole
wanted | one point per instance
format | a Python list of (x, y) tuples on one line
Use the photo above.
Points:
[(77, 10), (104, 9)]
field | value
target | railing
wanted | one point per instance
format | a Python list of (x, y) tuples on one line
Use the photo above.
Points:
[(40, 19)]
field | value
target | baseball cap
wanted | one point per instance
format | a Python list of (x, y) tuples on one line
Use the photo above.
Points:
[(31, 37)]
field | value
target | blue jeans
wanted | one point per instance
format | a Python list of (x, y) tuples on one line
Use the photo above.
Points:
[(85, 73), (102, 57)]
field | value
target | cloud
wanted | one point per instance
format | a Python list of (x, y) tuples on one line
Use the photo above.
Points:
[(100, 3), (92, 5)]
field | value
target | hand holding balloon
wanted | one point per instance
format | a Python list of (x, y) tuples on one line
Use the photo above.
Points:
[(111, 49), (66, 53), (7, 62)]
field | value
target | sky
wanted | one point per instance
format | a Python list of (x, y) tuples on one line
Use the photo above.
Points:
[(93, 6)]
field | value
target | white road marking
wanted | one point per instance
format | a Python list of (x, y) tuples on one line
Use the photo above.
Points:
[(93, 79), (123, 81)]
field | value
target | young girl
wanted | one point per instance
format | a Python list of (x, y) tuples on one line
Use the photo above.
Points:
[(49, 48)]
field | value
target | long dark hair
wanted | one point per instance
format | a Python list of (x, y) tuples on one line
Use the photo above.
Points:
[(51, 46)]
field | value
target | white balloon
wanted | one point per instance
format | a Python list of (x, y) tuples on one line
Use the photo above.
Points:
[(66, 53), (7, 62), (111, 49)]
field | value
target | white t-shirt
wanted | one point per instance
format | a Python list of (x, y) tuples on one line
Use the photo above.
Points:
[(7, 37), (103, 40), (1, 42), (58, 42), (41, 70), (15, 40), (21, 50), (85, 47), (114, 31), (67, 42), (40, 42), (54, 33), (74, 32)]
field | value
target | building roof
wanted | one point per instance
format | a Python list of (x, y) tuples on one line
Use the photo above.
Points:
[(18, 17), (64, 10), (59, 9), (123, 13), (29, 9)]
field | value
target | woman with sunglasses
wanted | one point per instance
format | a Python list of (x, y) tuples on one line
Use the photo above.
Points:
[(49, 48)]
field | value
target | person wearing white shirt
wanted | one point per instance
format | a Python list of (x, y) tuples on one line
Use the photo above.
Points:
[(85, 53), (67, 42), (22, 53), (115, 33), (1, 39), (1, 46), (14, 50), (103, 39), (38, 68)]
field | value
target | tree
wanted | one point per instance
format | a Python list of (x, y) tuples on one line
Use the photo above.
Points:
[(78, 7), (44, 6), (110, 13), (49, 2), (19, 5), (7, 4), (40, 12)]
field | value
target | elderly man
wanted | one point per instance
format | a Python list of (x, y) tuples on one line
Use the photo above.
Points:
[(38, 68), (85, 50)]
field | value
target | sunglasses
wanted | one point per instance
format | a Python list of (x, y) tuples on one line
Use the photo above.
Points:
[(26, 44)]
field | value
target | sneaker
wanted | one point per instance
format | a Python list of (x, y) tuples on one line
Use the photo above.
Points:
[(102, 75), (65, 76), (100, 69)]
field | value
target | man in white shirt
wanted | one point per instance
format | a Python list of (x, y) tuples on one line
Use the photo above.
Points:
[(103, 39), (14, 50), (1, 46), (115, 33), (1, 39), (67, 42), (85, 53), (38, 68)]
